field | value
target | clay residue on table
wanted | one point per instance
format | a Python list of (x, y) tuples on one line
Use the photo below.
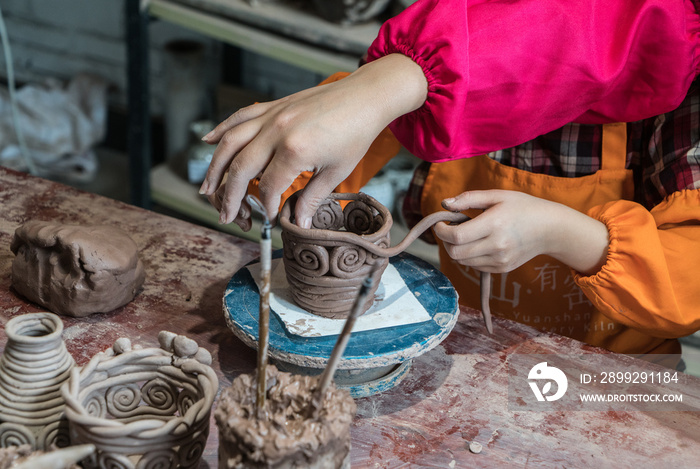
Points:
[(75, 270), (287, 435), (458, 394)]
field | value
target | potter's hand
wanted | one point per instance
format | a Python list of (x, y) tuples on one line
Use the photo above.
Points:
[(326, 129), (515, 227)]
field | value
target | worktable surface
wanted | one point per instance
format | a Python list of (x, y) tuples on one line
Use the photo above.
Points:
[(455, 394)]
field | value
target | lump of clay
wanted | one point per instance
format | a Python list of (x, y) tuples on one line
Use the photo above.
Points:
[(75, 270), (288, 436)]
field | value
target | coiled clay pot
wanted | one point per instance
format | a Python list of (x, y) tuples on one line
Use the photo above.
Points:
[(326, 264), (143, 407), (33, 367)]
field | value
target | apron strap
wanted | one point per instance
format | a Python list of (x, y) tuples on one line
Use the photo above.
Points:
[(614, 148)]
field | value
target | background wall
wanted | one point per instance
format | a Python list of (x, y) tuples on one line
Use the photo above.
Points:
[(62, 38)]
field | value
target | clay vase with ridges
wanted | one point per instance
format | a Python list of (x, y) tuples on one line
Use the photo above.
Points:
[(33, 367)]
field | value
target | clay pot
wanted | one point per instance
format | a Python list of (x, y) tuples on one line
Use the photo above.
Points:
[(288, 434), (143, 407), (33, 367), (326, 264)]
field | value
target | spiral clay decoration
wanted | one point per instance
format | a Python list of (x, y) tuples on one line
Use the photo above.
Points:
[(156, 398), (185, 400), (96, 405), (159, 394), (325, 266), (364, 242), (345, 261), (191, 452), (121, 400), (374, 258), (360, 218), (312, 260), (54, 434), (329, 216), (114, 461), (13, 434), (161, 459)]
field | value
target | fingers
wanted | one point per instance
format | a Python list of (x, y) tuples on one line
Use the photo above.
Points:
[(462, 242), (464, 233), (215, 198), (245, 167), (243, 217), (229, 145), (473, 244), (315, 192), (473, 256), (239, 117), (473, 199), (276, 179), (481, 256)]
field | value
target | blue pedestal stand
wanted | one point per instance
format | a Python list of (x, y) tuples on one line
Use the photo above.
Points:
[(374, 360)]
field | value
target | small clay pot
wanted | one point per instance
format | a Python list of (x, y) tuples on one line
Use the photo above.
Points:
[(143, 407), (33, 367), (326, 264), (287, 433)]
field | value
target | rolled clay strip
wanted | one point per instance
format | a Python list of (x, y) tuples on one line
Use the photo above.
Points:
[(377, 250)]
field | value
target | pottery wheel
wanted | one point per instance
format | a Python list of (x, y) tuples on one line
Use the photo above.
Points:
[(374, 360)]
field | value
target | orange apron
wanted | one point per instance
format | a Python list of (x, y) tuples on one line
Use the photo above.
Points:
[(542, 292)]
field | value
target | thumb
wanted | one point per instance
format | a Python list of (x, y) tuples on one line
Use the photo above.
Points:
[(472, 199)]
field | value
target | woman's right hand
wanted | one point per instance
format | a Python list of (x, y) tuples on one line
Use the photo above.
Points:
[(326, 129)]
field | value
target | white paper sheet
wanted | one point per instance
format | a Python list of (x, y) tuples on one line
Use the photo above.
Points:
[(394, 305)]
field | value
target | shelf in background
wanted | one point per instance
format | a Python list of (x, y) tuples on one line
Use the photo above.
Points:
[(274, 30)]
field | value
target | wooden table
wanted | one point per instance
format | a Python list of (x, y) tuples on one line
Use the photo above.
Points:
[(455, 394)]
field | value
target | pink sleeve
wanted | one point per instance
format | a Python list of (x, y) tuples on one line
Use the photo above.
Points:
[(501, 72)]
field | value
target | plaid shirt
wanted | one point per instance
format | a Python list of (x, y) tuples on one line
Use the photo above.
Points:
[(662, 151)]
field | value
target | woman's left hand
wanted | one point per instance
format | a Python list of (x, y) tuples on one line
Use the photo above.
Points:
[(515, 227)]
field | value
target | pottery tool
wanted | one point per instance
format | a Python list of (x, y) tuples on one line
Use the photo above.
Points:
[(264, 307), (342, 342)]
